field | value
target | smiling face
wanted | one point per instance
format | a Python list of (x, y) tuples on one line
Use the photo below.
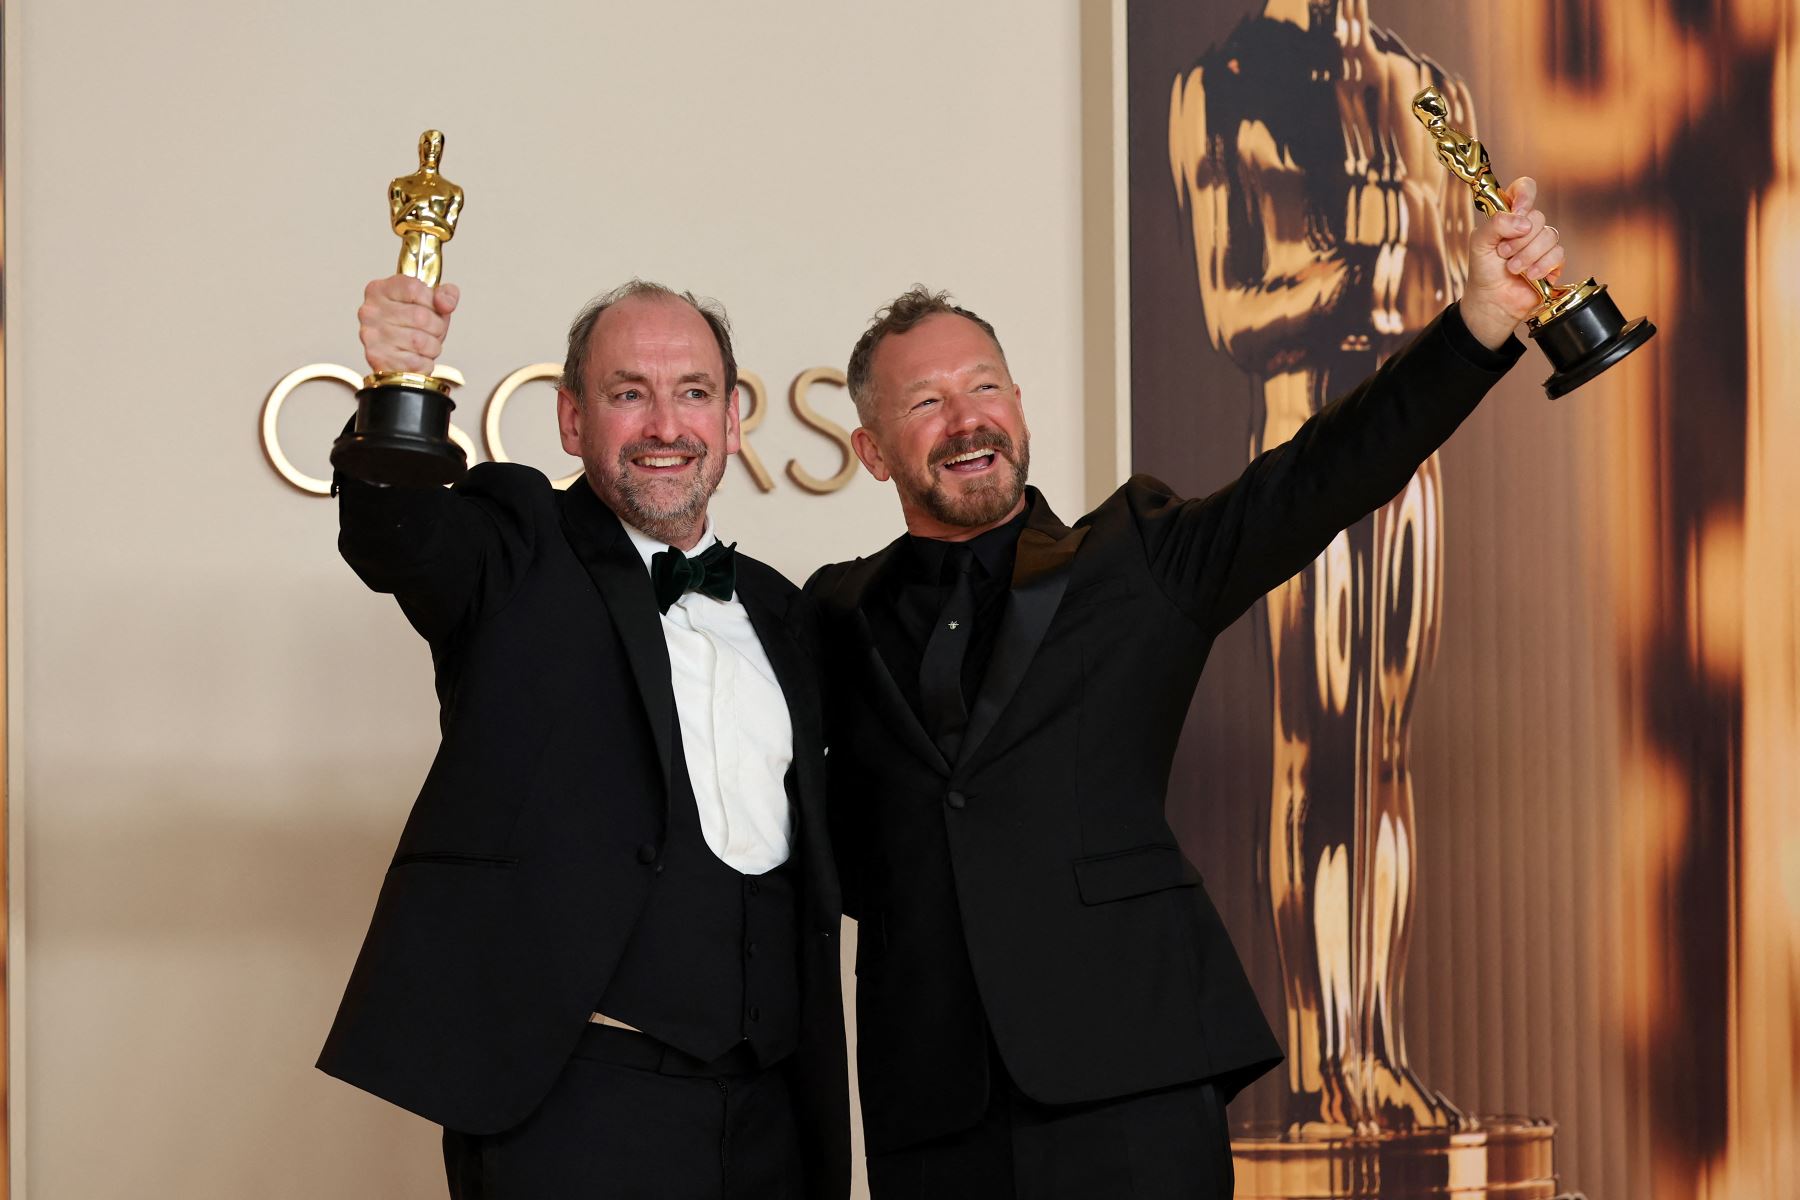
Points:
[(946, 425), (652, 424)]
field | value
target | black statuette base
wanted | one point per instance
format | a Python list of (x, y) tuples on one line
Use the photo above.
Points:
[(1587, 340), (401, 438)]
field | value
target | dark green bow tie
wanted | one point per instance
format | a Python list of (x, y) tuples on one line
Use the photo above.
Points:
[(713, 572)]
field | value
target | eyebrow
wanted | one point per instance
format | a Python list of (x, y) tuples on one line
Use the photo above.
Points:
[(919, 385), (623, 376)]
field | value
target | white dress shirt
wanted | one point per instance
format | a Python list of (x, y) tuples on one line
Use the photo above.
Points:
[(735, 730)]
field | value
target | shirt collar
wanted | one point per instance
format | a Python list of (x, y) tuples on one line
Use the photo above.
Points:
[(648, 547), (993, 550)]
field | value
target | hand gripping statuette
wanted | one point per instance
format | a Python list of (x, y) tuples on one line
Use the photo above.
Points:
[(402, 431), (1579, 327)]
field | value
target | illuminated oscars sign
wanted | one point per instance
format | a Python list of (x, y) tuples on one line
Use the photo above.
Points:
[(753, 402)]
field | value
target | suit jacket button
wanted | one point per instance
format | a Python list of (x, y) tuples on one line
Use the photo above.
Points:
[(646, 853), (956, 800)]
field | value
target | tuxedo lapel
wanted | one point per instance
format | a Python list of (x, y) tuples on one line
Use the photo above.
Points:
[(795, 672), (611, 561), (1040, 576), (866, 574), (792, 671)]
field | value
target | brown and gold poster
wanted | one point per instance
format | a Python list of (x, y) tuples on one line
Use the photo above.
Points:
[(1501, 797)]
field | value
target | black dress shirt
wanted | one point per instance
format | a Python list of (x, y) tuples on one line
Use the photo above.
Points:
[(903, 620)]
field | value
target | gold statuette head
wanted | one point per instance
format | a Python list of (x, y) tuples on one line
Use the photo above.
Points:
[(1431, 109)]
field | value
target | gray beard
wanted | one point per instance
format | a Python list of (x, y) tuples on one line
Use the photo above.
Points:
[(665, 523), (636, 503)]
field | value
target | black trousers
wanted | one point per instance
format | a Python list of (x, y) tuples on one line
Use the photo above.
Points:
[(630, 1118), (1172, 1144)]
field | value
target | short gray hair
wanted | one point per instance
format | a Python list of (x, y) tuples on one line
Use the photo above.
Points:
[(581, 330)]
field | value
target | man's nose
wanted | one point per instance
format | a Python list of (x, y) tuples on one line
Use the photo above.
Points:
[(962, 415), (660, 420)]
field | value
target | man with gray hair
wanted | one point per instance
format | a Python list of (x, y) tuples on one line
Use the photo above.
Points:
[(604, 957)]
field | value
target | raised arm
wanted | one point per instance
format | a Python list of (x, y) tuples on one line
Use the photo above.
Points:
[(443, 553), (1216, 555)]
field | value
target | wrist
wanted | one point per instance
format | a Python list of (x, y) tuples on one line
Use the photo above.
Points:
[(1488, 325)]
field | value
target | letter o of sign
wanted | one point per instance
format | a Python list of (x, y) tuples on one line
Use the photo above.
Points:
[(271, 419), (496, 409)]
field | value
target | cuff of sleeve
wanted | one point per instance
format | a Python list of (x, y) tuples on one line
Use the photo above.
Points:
[(340, 480), (1469, 347)]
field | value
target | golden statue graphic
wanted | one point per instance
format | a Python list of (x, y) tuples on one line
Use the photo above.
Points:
[(1325, 235)]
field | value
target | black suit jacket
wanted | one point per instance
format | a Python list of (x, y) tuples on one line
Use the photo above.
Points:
[(527, 857), (1034, 883)]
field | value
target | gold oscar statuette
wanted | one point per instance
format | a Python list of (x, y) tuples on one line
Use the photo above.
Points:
[(401, 436), (1581, 330)]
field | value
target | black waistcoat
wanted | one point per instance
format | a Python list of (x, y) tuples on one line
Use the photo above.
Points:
[(713, 959)]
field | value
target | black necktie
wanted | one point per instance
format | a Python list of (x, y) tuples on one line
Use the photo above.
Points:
[(940, 670), (713, 572)]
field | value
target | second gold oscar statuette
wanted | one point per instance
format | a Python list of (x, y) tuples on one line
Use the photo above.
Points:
[(1580, 328), (401, 436)]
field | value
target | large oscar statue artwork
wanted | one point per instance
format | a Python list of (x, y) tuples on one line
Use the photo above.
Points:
[(1325, 234), (401, 436)]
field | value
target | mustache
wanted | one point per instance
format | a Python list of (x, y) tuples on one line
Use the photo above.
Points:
[(986, 439), (681, 445)]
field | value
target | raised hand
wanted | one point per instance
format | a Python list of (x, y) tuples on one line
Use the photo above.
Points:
[(1509, 254), (403, 323)]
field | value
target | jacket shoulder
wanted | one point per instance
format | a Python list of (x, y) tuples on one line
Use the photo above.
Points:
[(1137, 495), (513, 485), (765, 579), (824, 585), (1141, 489)]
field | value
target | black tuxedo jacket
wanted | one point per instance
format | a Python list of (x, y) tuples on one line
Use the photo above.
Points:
[(1033, 884), (527, 857)]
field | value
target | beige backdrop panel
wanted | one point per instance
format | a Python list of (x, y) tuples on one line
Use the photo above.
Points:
[(207, 696)]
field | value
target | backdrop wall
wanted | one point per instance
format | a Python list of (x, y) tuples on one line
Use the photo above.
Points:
[(1602, 922), (205, 694)]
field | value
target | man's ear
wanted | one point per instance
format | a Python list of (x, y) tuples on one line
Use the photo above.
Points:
[(568, 421), (733, 434), (863, 442)]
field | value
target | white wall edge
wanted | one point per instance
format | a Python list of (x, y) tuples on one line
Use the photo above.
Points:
[(15, 626), (1106, 245)]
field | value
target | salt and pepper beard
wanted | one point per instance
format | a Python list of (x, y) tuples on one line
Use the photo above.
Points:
[(989, 500), (633, 497)]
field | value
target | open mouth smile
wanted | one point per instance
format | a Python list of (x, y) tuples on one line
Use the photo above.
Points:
[(666, 463), (973, 463)]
